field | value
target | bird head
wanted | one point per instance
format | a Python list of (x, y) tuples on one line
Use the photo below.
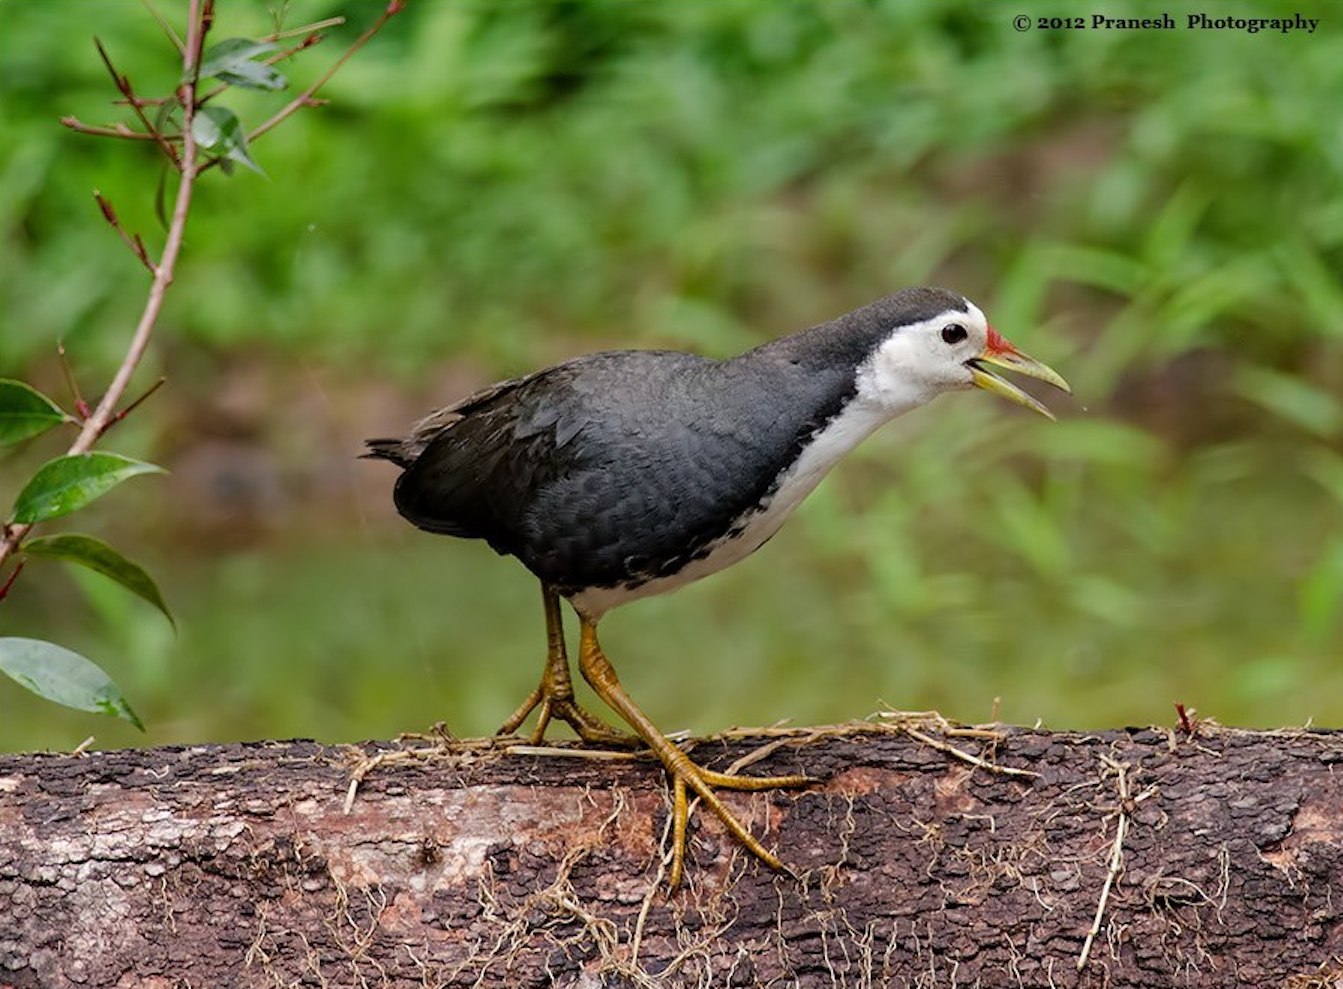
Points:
[(954, 349)]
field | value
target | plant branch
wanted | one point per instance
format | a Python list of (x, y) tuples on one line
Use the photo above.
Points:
[(393, 8), (136, 403), (167, 28), (9, 581), (117, 130), (200, 17), (81, 406), (105, 414), (305, 29), (132, 241), (163, 272), (123, 85)]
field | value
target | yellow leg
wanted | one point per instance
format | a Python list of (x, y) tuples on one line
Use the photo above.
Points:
[(684, 773), (554, 695)]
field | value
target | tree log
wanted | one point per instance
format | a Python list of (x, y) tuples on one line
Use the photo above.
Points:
[(1212, 860)]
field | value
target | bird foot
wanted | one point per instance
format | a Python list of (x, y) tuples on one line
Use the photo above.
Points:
[(561, 704), (686, 775)]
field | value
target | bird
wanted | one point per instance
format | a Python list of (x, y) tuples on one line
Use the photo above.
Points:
[(624, 474)]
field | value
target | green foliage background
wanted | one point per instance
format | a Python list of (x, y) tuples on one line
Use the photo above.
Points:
[(497, 185)]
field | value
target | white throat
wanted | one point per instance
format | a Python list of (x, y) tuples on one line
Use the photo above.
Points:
[(897, 377)]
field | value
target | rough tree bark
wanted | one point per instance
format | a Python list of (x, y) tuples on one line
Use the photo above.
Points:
[(465, 865)]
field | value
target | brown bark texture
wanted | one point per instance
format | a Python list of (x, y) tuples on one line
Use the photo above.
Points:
[(1212, 860)]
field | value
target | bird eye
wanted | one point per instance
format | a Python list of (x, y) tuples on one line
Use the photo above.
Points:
[(954, 333)]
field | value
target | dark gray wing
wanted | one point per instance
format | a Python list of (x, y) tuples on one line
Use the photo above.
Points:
[(659, 476), (478, 467), (615, 467)]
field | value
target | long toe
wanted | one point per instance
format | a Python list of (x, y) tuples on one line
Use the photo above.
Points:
[(731, 781), (516, 719), (688, 776), (593, 729)]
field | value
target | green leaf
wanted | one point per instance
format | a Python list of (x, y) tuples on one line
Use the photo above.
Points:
[(65, 677), (218, 129), (25, 412), (230, 61), (1291, 398), (97, 555), (68, 483), (253, 75)]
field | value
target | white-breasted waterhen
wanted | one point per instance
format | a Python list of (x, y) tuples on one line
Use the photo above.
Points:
[(629, 473)]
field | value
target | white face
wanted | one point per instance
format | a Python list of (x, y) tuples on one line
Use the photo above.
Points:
[(920, 361)]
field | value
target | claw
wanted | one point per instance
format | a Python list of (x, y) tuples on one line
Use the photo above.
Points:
[(554, 695), (702, 780), (685, 775)]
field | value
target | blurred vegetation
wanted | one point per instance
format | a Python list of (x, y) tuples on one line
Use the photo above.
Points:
[(497, 185)]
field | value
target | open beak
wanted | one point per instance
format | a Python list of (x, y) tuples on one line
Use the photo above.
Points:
[(998, 353)]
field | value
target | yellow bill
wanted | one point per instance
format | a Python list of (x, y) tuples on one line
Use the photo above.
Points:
[(998, 353)]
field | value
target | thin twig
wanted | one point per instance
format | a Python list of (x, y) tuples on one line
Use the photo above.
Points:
[(145, 101), (135, 404), (163, 275), (167, 28), (393, 8), (304, 45), (81, 406), (9, 582), (598, 755), (135, 244), (123, 85), (120, 131), (305, 29)]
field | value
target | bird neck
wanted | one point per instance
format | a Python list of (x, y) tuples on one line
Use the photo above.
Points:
[(874, 377)]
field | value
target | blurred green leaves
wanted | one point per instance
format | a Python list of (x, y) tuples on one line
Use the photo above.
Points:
[(1292, 399)]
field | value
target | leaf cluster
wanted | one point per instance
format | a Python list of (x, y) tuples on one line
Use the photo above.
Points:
[(194, 131)]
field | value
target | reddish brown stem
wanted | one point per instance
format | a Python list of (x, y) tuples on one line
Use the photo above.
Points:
[(81, 407), (123, 85), (134, 243), (9, 582), (144, 101), (120, 131), (137, 402), (1188, 719)]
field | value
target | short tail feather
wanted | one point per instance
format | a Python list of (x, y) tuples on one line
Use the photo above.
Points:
[(388, 448)]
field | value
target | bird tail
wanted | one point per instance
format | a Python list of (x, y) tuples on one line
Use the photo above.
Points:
[(388, 448)]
